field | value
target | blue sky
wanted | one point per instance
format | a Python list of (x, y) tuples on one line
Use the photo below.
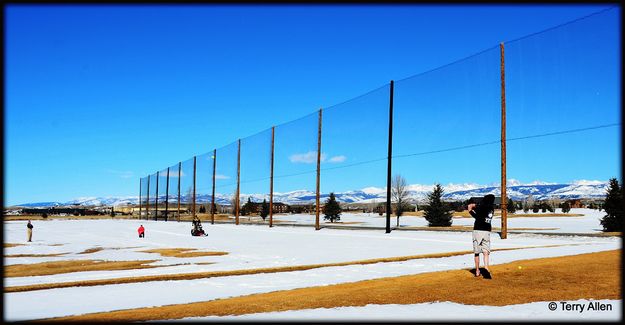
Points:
[(98, 96)]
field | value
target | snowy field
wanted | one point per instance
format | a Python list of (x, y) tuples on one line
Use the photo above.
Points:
[(255, 246), (588, 223)]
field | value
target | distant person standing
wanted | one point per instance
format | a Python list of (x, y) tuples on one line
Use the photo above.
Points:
[(141, 231), (483, 214), (29, 231)]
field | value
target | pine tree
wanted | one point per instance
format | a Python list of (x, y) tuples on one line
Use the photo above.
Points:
[(437, 212), (332, 209), (247, 207), (264, 210), (613, 206), (566, 207), (511, 208)]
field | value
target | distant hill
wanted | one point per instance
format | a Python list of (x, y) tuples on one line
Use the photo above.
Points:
[(417, 193)]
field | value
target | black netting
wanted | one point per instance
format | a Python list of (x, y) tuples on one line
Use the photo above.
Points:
[(563, 102), (295, 166), (255, 176), (186, 189), (354, 155), (447, 129), (226, 181), (143, 197)]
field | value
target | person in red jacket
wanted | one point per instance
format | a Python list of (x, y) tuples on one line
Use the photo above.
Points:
[(141, 231)]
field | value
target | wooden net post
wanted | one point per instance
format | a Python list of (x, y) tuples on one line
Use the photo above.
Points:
[(236, 201), (317, 210), (213, 195), (504, 200), (273, 129)]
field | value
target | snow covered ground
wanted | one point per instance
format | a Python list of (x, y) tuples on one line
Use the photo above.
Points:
[(437, 311), (588, 223), (248, 246)]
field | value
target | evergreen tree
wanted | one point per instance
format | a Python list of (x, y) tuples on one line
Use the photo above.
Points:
[(332, 209), (543, 207), (613, 206), (566, 207), (437, 212), (247, 207), (511, 208), (535, 208), (264, 210), (112, 212)]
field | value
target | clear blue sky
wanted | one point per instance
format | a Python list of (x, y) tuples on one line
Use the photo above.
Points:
[(98, 96)]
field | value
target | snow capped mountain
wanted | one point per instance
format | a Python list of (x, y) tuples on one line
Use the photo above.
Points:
[(416, 193)]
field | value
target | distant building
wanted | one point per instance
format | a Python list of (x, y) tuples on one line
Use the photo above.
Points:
[(278, 207), (575, 203)]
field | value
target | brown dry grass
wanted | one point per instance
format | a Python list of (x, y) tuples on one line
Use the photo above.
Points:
[(182, 252), (7, 245), (542, 215), (545, 279), (91, 250), (344, 222), (58, 267), (35, 255), (470, 228), (202, 275), (206, 217)]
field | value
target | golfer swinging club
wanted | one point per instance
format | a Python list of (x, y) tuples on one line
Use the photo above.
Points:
[(483, 215)]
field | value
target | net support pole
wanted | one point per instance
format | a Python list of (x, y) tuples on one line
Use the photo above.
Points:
[(236, 200), (194, 174), (167, 197), (140, 198), (317, 208), (504, 200), (179, 177), (273, 129), (213, 194), (156, 199), (389, 159), (147, 201)]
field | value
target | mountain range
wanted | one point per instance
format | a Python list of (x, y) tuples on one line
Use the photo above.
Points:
[(416, 193)]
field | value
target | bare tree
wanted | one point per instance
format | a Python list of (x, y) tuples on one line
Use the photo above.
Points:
[(399, 195)]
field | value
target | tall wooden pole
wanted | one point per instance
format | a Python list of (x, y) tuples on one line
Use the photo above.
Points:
[(504, 199), (147, 201), (140, 198), (389, 160), (317, 210), (179, 177), (194, 174), (273, 129), (156, 198), (213, 195), (167, 197), (236, 208)]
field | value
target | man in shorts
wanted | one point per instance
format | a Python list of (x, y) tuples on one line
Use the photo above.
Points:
[(483, 214)]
